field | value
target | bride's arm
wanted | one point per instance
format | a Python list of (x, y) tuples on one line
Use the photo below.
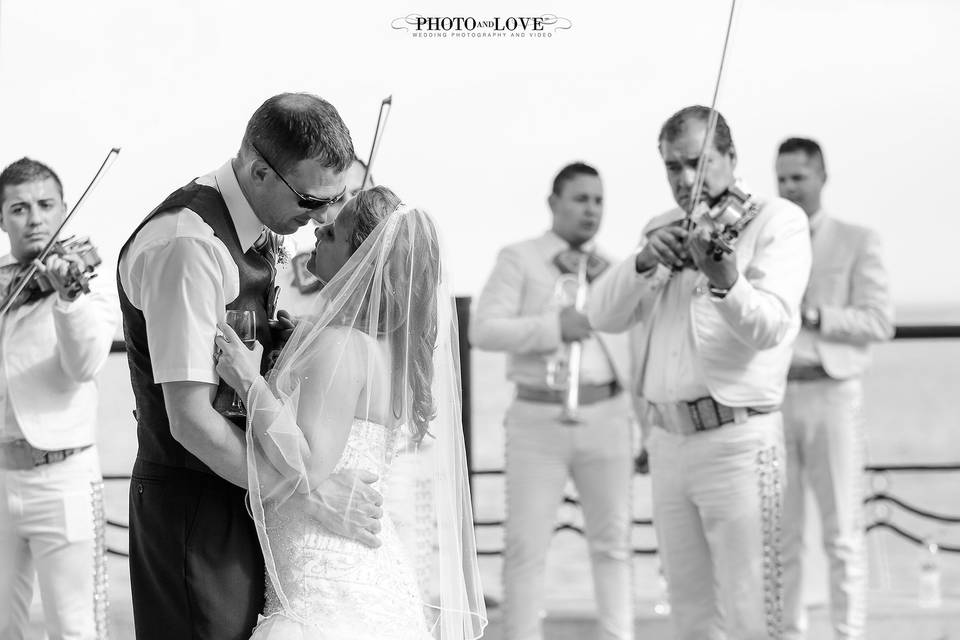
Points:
[(272, 431), (272, 424), (330, 387)]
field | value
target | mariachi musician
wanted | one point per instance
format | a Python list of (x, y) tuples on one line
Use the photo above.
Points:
[(55, 336), (712, 300), (528, 310)]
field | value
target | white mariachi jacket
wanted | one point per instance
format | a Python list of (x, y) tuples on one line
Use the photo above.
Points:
[(517, 313), (50, 353), (744, 339)]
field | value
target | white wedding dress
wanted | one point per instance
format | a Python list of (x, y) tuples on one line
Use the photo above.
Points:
[(339, 589), (379, 349)]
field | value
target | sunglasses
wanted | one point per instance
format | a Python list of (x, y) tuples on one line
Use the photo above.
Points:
[(304, 201)]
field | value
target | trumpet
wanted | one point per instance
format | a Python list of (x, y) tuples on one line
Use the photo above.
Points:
[(563, 369)]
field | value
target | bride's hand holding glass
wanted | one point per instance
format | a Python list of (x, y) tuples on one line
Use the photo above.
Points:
[(236, 364), (344, 502)]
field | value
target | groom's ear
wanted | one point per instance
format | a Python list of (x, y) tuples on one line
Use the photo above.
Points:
[(258, 170)]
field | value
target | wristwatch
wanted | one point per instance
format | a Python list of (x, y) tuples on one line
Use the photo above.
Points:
[(811, 317)]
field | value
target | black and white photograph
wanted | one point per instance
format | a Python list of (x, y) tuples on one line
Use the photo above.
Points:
[(461, 320)]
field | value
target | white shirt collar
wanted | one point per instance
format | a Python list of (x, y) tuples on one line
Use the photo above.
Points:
[(7, 259), (245, 221)]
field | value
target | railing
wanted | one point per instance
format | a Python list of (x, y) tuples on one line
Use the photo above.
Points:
[(879, 496)]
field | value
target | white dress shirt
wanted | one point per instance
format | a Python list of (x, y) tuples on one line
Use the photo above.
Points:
[(672, 358), (804, 349), (199, 279), (742, 341), (50, 353)]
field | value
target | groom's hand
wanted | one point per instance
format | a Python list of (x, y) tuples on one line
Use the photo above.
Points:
[(347, 505), (283, 327)]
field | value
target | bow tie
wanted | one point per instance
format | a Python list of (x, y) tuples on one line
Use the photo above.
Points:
[(568, 261)]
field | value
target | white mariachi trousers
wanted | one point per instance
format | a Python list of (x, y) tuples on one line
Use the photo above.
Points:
[(541, 454), (716, 509), (54, 532), (825, 450)]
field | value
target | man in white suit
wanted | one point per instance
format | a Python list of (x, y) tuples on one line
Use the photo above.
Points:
[(52, 345), (846, 307), (711, 348), (519, 312)]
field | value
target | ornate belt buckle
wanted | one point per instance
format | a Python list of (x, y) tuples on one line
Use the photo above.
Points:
[(705, 414)]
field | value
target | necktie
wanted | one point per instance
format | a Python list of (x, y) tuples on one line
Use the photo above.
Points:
[(261, 240), (568, 261)]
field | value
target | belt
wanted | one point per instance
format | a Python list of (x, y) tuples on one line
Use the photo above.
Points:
[(702, 414), (807, 372), (589, 393), (20, 455)]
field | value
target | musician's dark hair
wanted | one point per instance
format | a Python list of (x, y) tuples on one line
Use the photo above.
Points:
[(807, 146), (676, 125), (27, 170), (291, 127), (570, 172)]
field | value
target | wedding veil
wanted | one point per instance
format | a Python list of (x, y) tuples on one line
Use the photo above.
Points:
[(373, 374)]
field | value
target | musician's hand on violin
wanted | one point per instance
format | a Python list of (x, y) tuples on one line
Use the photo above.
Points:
[(62, 273), (666, 245), (721, 273), (574, 326)]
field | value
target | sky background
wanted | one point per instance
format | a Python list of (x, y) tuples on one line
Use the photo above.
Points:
[(480, 126)]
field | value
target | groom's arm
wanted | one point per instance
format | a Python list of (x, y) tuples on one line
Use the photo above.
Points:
[(184, 284), (203, 432)]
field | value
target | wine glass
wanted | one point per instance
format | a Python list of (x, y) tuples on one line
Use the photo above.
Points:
[(244, 323)]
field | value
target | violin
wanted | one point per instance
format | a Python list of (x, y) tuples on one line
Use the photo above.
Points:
[(38, 285), (30, 275), (726, 218)]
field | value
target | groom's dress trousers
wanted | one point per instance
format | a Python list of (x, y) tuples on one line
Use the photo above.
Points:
[(709, 377), (51, 489), (196, 568), (517, 312), (823, 419)]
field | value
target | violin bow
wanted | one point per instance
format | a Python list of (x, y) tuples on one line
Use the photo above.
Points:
[(385, 106), (12, 295), (700, 175)]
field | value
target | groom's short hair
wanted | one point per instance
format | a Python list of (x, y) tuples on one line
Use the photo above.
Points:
[(291, 127)]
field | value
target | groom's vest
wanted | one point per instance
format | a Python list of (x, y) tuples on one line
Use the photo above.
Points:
[(156, 444)]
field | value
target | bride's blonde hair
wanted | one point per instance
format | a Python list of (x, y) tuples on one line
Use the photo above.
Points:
[(373, 206)]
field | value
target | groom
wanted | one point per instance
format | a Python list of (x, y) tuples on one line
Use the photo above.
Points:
[(196, 568)]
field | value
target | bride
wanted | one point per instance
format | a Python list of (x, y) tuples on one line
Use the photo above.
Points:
[(372, 370)]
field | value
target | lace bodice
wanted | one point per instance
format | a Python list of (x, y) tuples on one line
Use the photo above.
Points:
[(335, 587)]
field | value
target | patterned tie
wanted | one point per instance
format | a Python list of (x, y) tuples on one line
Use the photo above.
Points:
[(261, 240), (568, 261)]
